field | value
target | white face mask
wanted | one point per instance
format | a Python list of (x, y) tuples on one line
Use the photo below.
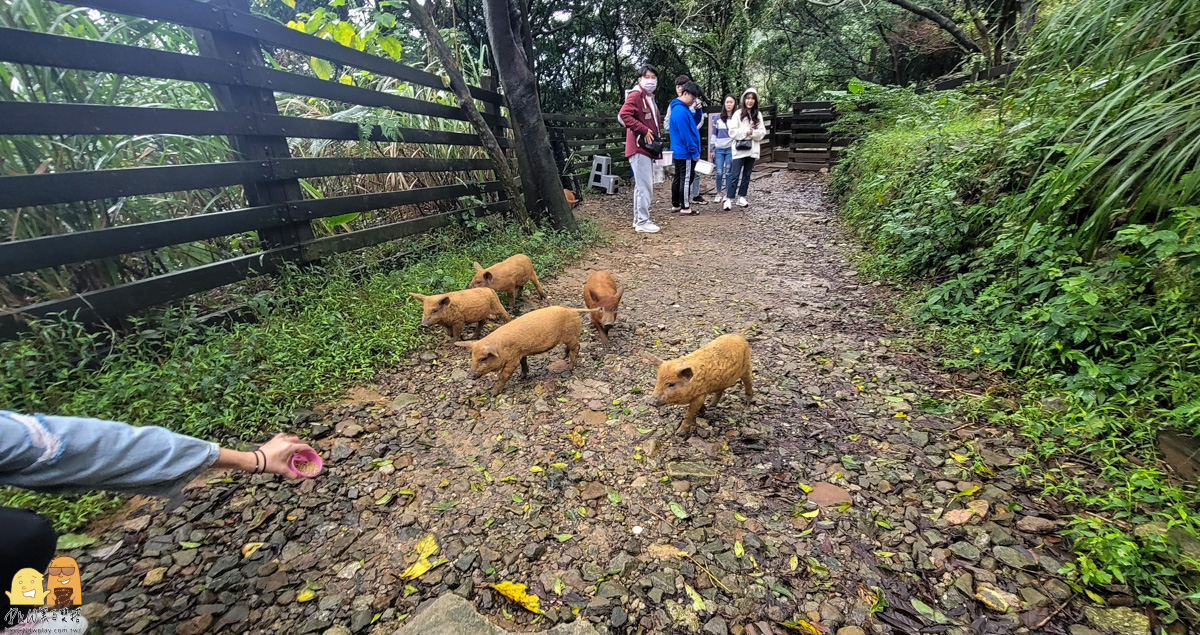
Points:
[(649, 85)]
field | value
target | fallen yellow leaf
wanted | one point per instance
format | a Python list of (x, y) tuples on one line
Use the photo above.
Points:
[(516, 593), (249, 548), (305, 595), (697, 601), (427, 547)]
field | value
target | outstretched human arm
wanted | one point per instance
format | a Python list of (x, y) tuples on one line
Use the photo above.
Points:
[(74, 454)]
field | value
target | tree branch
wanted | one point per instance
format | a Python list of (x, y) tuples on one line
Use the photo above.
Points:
[(507, 179), (946, 23)]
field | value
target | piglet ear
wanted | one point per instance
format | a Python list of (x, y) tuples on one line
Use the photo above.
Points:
[(465, 344), (417, 296), (487, 276), (445, 301), (477, 266), (652, 359), (592, 295), (620, 292), (685, 372)]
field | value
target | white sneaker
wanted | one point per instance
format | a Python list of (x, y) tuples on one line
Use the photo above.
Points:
[(728, 205), (648, 228), (719, 198), (742, 202)]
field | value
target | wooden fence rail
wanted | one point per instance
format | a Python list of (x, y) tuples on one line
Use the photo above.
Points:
[(230, 42)]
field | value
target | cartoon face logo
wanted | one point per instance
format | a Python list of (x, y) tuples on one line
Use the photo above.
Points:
[(26, 588), (62, 582)]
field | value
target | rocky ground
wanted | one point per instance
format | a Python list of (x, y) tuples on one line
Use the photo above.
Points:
[(838, 501)]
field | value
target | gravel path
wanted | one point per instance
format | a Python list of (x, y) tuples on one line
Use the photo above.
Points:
[(840, 488)]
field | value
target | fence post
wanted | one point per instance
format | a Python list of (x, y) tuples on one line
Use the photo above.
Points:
[(255, 103), (487, 81)]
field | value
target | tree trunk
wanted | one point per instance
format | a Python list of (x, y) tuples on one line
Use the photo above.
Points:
[(503, 169), (947, 24), (541, 179)]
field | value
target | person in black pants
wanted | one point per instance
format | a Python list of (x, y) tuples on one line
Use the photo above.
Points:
[(685, 146), (28, 543)]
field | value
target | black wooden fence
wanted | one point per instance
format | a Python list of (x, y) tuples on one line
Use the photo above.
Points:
[(230, 41)]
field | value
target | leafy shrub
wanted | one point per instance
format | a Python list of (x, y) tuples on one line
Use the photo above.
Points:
[(1054, 231)]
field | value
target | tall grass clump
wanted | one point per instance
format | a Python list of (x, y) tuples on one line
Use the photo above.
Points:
[(317, 332), (1052, 226)]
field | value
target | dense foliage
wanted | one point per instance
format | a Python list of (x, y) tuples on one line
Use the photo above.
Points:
[(1057, 226)]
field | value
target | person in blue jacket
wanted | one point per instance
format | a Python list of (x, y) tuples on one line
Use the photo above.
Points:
[(685, 146)]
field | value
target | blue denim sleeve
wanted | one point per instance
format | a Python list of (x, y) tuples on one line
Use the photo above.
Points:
[(60, 455)]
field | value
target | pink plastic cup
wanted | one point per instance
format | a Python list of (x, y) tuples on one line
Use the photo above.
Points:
[(309, 460)]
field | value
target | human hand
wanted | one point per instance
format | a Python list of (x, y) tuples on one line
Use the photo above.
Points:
[(278, 452), (649, 137)]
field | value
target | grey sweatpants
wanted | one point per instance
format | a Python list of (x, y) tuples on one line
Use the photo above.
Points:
[(643, 187)]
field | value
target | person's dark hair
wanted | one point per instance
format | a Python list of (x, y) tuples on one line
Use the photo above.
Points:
[(752, 112), (647, 68), (691, 88), (682, 79), (726, 114)]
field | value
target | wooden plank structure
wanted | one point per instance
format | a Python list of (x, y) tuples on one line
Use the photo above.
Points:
[(810, 146), (577, 138), (230, 42)]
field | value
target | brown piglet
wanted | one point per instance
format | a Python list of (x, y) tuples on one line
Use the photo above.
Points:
[(711, 369), (601, 292), (510, 275), (458, 308), (535, 332)]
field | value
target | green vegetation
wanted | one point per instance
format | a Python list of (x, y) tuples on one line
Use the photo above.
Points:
[(318, 331), (1055, 224)]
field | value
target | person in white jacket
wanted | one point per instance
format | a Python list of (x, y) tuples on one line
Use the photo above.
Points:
[(747, 130)]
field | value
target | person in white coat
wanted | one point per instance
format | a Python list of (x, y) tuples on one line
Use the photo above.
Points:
[(747, 130)]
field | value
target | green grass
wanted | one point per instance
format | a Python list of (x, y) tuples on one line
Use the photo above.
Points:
[(319, 331)]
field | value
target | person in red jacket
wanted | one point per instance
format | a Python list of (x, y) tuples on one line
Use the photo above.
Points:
[(639, 114)]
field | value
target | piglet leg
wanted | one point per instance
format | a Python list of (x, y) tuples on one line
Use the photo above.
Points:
[(690, 416), (572, 352), (524, 367), (748, 384), (716, 398), (505, 373), (456, 331), (538, 285), (478, 329)]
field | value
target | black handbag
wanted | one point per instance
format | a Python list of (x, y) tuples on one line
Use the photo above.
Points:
[(743, 145), (655, 147)]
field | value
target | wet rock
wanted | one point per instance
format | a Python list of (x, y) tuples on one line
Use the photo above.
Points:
[(534, 550), (683, 616), (919, 438), (1118, 621), (689, 470), (611, 589), (1036, 525), (618, 617), (996, 599), (154, 576), (716, 626), (621, 564), (965, 550), (1033, 597), (828, 494), (195, 626), (593, 490), (1016, 557)]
